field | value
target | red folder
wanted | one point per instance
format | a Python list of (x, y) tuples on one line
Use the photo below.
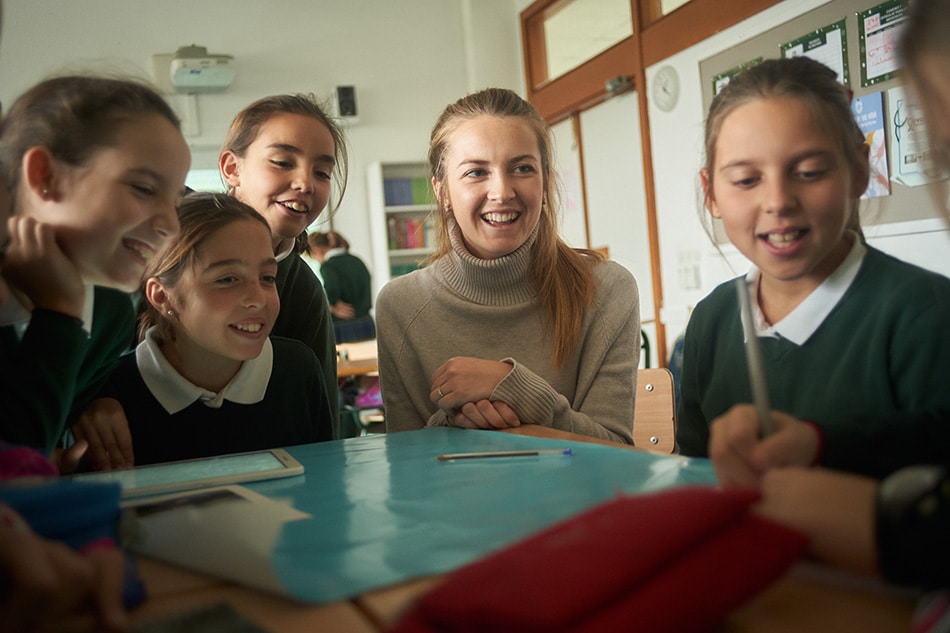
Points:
[(677, 561)]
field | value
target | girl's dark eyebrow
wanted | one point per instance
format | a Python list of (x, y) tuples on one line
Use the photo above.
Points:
[(237, 262), (293, 149), (811, 153)]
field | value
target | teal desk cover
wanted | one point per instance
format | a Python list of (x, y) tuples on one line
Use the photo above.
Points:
[(384, 510)]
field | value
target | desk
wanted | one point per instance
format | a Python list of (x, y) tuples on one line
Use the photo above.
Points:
[(356, 359), (352, 368), (387, 515), (173, 591)]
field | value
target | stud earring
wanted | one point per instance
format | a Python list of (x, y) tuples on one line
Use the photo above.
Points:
[(171, 313)]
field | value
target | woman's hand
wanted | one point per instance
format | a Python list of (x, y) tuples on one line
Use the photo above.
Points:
[(485, 414), (38, 268), (741, 457), (463, 379)]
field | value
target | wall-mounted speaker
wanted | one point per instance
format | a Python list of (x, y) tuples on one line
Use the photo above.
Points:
[(346, 101)]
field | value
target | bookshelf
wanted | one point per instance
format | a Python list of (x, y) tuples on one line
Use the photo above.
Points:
[(402, 227)]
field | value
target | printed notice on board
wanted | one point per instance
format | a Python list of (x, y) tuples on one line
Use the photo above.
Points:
[(828, 45), (869, 114), (911, 155), (722, 80), (880, 29)]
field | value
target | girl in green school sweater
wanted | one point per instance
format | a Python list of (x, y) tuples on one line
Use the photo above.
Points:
[(95, 167), (280, 156), (854, 341)]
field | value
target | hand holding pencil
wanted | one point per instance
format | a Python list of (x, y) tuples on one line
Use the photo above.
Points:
[(741, 456), (748, 440)]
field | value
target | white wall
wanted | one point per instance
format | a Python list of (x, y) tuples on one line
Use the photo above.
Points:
[(677, 156), (406, 58)]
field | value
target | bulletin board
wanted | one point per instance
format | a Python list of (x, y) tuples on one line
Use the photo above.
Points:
[(861, 36)]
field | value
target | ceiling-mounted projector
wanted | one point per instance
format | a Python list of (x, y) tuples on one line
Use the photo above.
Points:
[(194, 70)]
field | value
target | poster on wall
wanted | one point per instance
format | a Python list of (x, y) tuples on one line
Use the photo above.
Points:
[(869, 114), (879, 32), (722, 80), (911, 155), (828, 45)]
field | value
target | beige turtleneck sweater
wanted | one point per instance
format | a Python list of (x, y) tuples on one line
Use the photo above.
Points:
[(465, 306)]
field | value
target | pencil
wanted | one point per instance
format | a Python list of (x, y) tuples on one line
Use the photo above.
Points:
[(492, 454), (753, 354)]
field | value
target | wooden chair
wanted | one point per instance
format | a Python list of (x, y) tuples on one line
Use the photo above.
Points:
[(654, 426)]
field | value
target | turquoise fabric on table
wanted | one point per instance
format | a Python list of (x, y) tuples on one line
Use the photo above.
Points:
[(384, 510)]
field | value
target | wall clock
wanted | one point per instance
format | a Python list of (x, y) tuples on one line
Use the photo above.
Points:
[(666, 88)]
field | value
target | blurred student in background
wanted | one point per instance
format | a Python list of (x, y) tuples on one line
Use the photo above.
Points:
[(347, 282)]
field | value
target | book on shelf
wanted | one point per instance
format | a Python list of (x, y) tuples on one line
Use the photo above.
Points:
[(406, 191), (406, 232)]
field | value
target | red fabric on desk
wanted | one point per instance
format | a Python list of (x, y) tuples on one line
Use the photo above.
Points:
[(676, 561)]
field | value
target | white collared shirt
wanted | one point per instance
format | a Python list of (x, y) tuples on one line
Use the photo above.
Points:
[(801, 323), (175, 393), (333, 252)]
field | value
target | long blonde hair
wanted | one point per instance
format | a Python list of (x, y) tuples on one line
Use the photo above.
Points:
[(562, 276)]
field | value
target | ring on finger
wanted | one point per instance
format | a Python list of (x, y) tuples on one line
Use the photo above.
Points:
[(439, 390)]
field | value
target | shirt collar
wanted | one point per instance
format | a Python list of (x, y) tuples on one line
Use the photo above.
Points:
[(799, 325), (333, 252), (285, 249), (175, 393)]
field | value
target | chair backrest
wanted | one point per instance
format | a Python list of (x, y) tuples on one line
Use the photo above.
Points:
[(654, 426)]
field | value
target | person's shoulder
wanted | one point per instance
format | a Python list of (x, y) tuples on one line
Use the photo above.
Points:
[(904, 275), (609, 272), (292, 350), (723, 297), (296, 280), (397, 288)]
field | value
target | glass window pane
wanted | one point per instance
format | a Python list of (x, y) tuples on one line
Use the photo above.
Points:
[(583, 29)]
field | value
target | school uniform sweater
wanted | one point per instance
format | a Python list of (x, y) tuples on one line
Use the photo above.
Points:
[(873, 376), (48, 376), (305, 316), (293, 408), (464, 306), (346, 278)]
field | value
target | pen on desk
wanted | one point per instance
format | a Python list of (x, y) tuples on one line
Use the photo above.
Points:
[(449, 457), (760, 390)]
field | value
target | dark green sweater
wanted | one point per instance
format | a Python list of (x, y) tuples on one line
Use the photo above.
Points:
[(874, 376), (52, 373), (346, 278), (305, 316)]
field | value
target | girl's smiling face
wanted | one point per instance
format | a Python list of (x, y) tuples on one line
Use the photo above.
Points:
[(493, 184), (285, 173), (225, 304), (783, 190), (117, 211)]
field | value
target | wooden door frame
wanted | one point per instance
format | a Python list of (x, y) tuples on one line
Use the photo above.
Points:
[(655, 37)]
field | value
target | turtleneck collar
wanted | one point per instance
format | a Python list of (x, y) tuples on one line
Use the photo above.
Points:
[(500, 281)]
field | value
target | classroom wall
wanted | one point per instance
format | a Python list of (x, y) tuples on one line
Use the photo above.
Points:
[(691, 266), (406, 58)]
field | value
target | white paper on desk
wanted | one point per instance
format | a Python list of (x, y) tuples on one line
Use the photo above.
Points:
[(226, 531)]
